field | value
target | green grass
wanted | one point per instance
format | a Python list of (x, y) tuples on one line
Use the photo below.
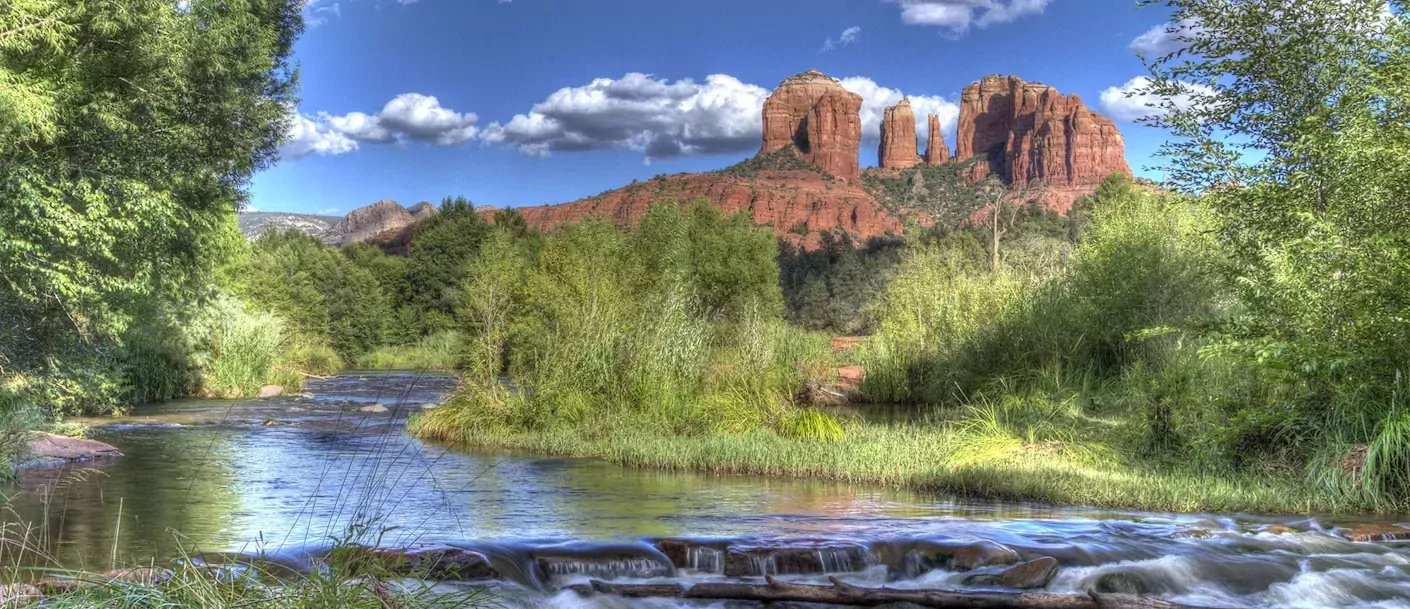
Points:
[(955, 455), (441, 351)]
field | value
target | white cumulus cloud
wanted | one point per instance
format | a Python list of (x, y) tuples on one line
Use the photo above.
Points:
[(640, 112), (876, 98), (956, 17), (409, 117), (1130, 102)]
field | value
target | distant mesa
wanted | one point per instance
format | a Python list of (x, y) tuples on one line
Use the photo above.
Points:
[(807, 180), (361, 225)]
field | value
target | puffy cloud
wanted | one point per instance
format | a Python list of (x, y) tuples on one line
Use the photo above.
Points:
[(875, 99), (640, 112), (1165, 38), (1131, 102), (957, 16), (667, 119), (848, 36), (307, 137), (409, 117)]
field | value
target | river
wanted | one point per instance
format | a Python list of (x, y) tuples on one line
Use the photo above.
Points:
[(289, 474)]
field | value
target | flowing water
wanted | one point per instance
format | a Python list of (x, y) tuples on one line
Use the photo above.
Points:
[(289, 475)]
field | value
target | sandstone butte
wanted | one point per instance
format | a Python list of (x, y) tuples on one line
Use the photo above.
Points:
[(1030, 133), (1033, 134), (815, 114), (898, 137)]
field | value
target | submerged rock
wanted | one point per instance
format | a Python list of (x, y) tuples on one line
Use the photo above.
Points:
[(376, 408), (1035, 573), (270, 391), (48, 447)]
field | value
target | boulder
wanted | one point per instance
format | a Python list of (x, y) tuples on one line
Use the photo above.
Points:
[(936, 151), (1029, 132), (898, 137), (48, 447), (1035, 573), (270, 391), (375, 408), (821, 119), (19, 595), (439, 563)]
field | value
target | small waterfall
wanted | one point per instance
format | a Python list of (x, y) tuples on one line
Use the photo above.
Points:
[(763, 564), (705, 559), (836, 560), (634, 567)]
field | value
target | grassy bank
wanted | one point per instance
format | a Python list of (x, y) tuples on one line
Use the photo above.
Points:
[(954, 456)]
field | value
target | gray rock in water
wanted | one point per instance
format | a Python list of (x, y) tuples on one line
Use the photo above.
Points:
[(430, 406), (377, 408), (270, 391), (305, 396), (1032, 574)]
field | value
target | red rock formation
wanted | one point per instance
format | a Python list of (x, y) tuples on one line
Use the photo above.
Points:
[(367, 222), (799, 205), (936, 152), (1031, 133), (821, 119), (898, 137)]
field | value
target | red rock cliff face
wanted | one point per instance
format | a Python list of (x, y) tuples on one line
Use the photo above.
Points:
[(799, 205), (936, 151), (1032, 133), (821, 119), (898, 137)]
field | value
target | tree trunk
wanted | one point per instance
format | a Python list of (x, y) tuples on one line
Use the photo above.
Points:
[(840, 593)]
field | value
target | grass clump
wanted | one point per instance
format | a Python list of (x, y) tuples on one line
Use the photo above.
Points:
[(440, 351)]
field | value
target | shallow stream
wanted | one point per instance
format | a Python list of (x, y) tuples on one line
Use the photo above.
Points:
[(288, 475)]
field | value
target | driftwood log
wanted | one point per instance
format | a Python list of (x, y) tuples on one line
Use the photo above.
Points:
[(840, 593)]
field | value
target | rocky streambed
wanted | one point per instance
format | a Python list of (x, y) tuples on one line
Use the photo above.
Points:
[(265, 486)]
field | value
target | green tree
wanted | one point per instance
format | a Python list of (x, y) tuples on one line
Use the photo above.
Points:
[(487, 295), (1297, 136), (445, 243), (129, 130)]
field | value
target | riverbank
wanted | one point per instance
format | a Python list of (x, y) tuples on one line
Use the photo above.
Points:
[(945, 457)]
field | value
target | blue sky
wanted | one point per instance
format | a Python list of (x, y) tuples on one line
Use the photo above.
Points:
[(525, 102)]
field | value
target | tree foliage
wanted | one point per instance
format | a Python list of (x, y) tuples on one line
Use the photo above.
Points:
[(129, 130)]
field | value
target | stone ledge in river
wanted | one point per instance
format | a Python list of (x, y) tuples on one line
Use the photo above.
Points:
[(48, 448), (795, 559), (1374, 532)]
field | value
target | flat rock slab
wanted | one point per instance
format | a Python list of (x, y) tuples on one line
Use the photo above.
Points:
[(48, 447)]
